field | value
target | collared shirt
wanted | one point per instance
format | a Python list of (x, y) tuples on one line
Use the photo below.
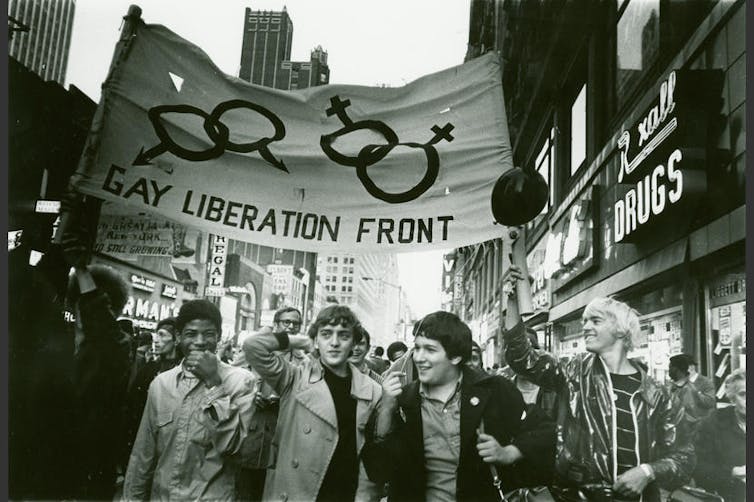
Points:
[(186, 433), (441, 427)]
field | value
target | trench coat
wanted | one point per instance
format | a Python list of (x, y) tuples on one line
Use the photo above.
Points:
[(307, 429)]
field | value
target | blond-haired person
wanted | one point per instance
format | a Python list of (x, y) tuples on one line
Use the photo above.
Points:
[(620, 433)]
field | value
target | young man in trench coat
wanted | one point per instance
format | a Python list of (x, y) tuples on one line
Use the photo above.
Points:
[(325, 404)]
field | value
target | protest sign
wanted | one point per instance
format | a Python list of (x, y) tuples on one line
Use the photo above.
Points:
[(328, 168)]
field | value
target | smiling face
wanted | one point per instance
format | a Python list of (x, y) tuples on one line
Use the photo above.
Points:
[(432, 363), (334, 343), (199, 334), (360, 351), (599, 330)]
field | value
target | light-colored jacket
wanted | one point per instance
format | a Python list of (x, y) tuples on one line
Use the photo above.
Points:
[(307, 430), (186, 436)]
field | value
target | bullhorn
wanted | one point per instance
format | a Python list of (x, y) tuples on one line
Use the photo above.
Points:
[(518, 197)]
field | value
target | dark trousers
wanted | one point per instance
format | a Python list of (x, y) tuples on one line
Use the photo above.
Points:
[(250, 484)]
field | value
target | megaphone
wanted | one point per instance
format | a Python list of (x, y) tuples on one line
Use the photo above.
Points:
[(518, 197)]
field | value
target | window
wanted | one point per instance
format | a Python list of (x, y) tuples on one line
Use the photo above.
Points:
[(637, 44), (578, 130), (648, 34), (335, 259)]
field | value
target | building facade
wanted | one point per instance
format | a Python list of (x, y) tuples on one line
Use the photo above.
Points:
[(368, 284), (41, 35), (633, 111), (266, 54)]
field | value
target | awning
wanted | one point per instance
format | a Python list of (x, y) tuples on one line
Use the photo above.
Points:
[(666, 258)]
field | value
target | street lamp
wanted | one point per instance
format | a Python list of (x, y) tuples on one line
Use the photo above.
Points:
[(305, 280)]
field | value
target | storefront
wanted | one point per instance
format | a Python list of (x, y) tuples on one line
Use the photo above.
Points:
[(152, 297), (664, 210)]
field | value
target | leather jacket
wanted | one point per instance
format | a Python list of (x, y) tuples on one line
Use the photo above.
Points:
[(586, 439)]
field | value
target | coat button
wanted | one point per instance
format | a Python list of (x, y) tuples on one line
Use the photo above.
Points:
[(307, 429), (294, 463)]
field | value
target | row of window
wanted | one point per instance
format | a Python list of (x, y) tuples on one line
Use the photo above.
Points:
[(346, 260), (647, 34)]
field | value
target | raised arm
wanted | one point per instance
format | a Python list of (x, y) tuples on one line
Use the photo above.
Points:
[(535, 365), (260, 350)]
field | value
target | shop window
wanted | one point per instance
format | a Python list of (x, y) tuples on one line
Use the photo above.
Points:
[(637, 43)]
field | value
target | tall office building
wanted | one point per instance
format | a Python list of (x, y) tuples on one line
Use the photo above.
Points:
[(266, 54), (369, 285), (41, 35), (267, 40)]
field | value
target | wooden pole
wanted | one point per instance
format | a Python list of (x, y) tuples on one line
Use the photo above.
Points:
[(518, 258), (127, 31)]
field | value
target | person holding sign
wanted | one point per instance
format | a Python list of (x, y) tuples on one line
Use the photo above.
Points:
[(620, 434)]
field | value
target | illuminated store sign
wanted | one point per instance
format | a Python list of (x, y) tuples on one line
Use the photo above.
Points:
[(142, 283)]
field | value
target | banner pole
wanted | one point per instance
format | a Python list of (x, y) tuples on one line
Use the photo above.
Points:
[(127, 31), (518, 258)]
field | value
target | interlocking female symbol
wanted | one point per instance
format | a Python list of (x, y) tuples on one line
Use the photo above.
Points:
[(371, 154)]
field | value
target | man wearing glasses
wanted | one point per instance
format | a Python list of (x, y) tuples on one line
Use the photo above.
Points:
[(192, 419)]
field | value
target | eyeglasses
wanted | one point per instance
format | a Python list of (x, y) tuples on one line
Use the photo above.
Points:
[(287, 322)]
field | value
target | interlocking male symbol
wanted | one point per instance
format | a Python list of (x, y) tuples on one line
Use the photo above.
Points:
[(217, 132), (371, 154)]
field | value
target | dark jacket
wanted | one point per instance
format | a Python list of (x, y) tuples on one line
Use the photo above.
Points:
[(586, 436), (399, 458), (721, 446)]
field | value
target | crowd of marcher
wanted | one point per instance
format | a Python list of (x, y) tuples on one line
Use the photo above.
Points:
[(314, 416)]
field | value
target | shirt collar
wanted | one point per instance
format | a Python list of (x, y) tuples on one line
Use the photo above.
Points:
[(424, 395)]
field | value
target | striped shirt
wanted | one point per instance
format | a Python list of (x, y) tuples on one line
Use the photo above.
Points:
[(624, 386)]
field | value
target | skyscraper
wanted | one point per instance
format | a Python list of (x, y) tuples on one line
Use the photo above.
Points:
[(44, 47), (266, 54), (267, 39)]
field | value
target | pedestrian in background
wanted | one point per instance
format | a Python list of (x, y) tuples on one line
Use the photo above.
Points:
[(698, 398), (721, 444), (378, 363), (167, 357), (396, 350), (360, 351), (254, 457)]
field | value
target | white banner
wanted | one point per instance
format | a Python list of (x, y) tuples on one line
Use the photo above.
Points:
[(329, 168)]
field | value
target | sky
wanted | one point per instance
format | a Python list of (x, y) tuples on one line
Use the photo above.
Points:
[(369, 42)]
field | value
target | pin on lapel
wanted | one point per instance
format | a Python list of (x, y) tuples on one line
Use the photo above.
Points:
[(474, 401)]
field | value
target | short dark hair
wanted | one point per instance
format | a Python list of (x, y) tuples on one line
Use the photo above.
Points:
[(198, 309), (448, 329), (336, 315), (107, 280), (168, 322), (379, 351), (680, 361), (144, 338), (285, 310), (363, 334), (395, 347)]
